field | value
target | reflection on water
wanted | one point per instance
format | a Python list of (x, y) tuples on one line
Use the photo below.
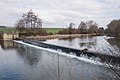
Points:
[(87, 42), (79, 43), (87, 45), (101, 44), (115, 42), (26, 53), (9, 44), (30, 63)]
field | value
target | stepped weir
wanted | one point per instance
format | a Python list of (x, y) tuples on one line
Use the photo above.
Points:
[(103, 58)]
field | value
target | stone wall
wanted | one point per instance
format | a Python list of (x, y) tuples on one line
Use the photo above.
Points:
[(9, 35)]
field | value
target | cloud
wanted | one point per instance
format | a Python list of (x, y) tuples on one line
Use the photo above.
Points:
[(59, 13)]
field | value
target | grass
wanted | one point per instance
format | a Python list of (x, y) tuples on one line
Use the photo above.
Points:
[(53, 30), (49, 30), (7, 29)]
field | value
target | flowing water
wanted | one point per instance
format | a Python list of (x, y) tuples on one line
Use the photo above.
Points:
[(21, 61)]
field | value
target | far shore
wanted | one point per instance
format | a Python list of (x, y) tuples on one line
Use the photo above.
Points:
[(57, 36)]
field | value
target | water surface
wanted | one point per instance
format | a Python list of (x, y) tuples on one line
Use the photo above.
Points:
[(101, 44), (27, 62)]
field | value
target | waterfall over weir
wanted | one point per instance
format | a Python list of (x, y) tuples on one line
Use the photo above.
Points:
[(109, 60)]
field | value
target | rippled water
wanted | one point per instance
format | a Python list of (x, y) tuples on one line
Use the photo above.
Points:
[(28, 62)]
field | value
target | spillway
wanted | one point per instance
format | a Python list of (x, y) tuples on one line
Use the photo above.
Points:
[(107, 59)]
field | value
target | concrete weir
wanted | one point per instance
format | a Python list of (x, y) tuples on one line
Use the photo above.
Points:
[(108, 59)]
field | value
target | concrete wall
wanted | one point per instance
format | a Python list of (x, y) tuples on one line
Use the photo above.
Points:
[(9, 35)]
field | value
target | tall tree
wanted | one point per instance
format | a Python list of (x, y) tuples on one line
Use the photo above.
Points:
[(29, 20), (89, 23), (93, 27), (88, 27), (82, 25), (71, 28)]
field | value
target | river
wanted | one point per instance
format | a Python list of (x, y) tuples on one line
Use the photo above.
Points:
[(21, 61)]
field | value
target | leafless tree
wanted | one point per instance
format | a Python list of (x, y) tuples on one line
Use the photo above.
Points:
[(88, 27), (29, 20), (82, 25), (71, 26)]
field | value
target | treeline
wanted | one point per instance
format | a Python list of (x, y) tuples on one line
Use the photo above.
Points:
[(113, 28), (89, 27), (2, 26), (32, 24)]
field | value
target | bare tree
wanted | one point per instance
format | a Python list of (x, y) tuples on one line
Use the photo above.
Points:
[(82, 25), (71, 26), (93, 28), (88, 27), (29, 20)]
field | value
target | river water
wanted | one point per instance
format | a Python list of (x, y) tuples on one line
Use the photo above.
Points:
[(101, 44), (21, 61)]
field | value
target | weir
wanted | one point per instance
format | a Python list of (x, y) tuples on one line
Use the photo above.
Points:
[(107, 59)]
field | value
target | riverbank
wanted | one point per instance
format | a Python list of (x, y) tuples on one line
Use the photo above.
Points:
[(57, 36)]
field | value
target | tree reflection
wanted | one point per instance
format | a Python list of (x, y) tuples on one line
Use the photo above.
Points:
[(70, 41), (87, 45), (114, 41), (57, 67), (30, 55), (87, 41)]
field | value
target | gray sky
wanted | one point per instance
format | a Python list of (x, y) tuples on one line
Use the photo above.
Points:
[(59, 13)]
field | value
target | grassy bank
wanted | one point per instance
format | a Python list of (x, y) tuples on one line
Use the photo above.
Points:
[(52, 30), (6, 29)]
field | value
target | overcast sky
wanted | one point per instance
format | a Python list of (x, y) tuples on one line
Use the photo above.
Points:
[(59, 13)]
